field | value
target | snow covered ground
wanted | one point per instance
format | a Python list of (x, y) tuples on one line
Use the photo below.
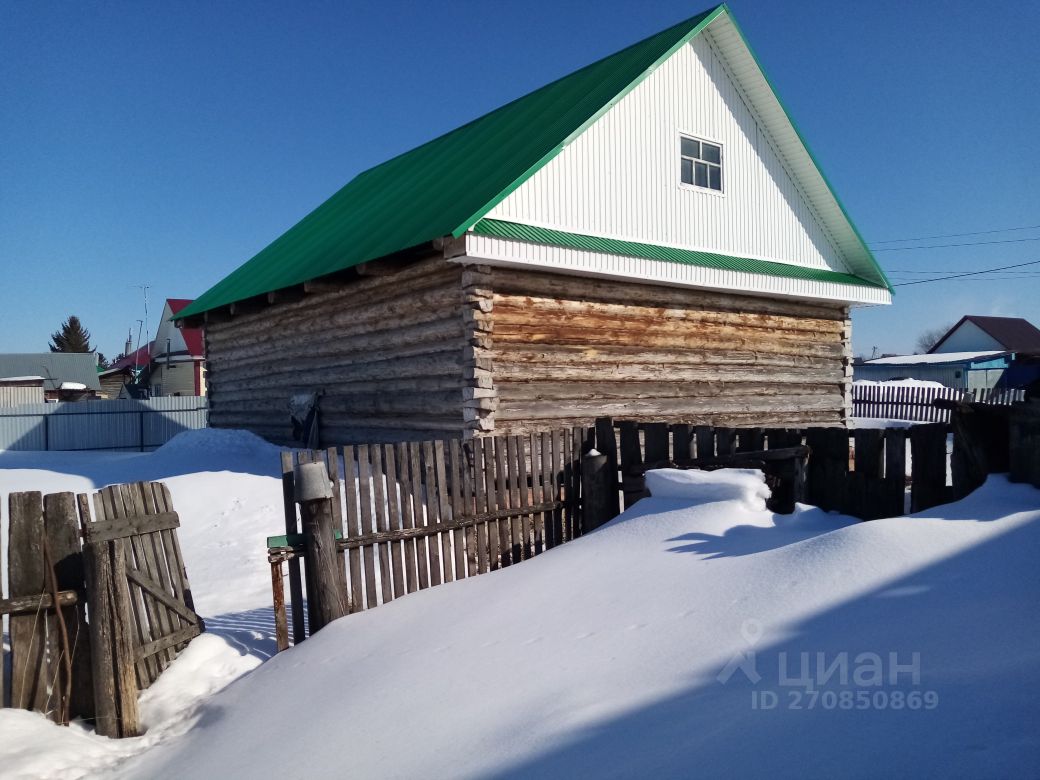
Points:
[(668, 643)]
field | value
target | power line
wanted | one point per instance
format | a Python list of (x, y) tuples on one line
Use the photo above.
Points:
[(969, 273), (945, 246), (957, 235)]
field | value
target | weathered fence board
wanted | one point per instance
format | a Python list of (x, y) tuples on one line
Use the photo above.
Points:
[(417, 514)]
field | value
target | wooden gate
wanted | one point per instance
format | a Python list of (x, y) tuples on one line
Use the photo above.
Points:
[(138, 591), (90, 627)]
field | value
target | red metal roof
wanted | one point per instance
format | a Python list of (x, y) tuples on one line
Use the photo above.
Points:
[(140, 358), (193, 337)]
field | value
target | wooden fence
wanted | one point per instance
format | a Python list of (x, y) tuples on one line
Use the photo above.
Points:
[(409, 516), (916, 404), (403, 517), (92, 625)]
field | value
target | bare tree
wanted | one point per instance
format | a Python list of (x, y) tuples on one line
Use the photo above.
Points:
[(930, 337)]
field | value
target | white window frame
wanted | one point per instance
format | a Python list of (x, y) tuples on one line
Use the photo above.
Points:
[(722, 163)]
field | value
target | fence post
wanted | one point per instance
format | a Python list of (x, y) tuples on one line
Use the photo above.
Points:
[(607, 445), (596, 490), (314, 494), (928, 452)]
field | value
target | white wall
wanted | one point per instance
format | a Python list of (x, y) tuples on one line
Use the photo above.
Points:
[(620, 178), (969, 337)]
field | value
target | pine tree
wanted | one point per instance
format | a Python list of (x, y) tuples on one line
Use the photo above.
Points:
[(72, 337)]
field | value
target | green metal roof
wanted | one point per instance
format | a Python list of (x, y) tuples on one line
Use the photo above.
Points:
[(445, 186), (514, 230)]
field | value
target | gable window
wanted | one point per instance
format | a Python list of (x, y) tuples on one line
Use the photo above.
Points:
[(701, 163)]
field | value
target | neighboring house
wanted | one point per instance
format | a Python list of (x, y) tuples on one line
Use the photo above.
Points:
[(976, 353), (959, 370), (129, 370), (178, 363), (648, 237), (66, 376), (17, 390), (173, 364), (975, 334)]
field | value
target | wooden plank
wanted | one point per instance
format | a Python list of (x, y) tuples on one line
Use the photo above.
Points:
[(928, 480), (144, 552), (125, 684), (433, 518), (351, 481), (633, 481), (514, 453), (292, 526), (368, 553), (313, 619), (98, 577), (332, 466), (458, 539), (167, 642), (556, 485), (480, 504), (281, 624), (26, 577), (407, 515), (491, 498), (545, 449), (502, 499), (895, 472), (607, 445), (38, 603), (131, 525), (63, 539), (422, 552), (527, 548), (682, 448), (174, 556), (655, 441), (148, 668), (443, 507), (156, 590), (582, 440), (393, 499), (751, 439), (538, 519), (705, 438), (725, 441), (468, 509), (382, 522)]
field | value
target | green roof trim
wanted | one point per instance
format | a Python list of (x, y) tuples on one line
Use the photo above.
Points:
[(498, 228), (445, 186)]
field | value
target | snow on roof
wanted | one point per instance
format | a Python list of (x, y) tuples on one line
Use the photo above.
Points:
[(21, 378), (73, 386), (942, 357)]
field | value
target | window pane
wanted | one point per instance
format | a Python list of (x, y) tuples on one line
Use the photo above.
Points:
[(691, 148), (701, 175), (687, 171), (715, 177), (711, 153)]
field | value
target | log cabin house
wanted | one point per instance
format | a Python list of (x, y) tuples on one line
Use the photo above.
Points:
[(648, 237)]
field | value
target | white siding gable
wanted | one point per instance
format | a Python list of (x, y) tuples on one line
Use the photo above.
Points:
[(969, 337), (620, 178)]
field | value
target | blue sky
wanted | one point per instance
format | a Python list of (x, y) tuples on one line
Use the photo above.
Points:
[(165, 143)]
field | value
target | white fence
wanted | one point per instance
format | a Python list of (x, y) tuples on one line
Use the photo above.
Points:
[(100, 425), (902, 402)]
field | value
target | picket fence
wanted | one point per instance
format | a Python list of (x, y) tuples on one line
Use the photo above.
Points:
[(914, 404)]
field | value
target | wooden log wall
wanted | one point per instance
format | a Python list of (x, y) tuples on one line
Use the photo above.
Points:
[(386, 351), (563, 350)]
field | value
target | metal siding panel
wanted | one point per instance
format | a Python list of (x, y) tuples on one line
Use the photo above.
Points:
[(94, 425), (620, 177)]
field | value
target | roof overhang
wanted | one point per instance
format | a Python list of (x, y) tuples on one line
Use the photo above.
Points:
[(495, 242)]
